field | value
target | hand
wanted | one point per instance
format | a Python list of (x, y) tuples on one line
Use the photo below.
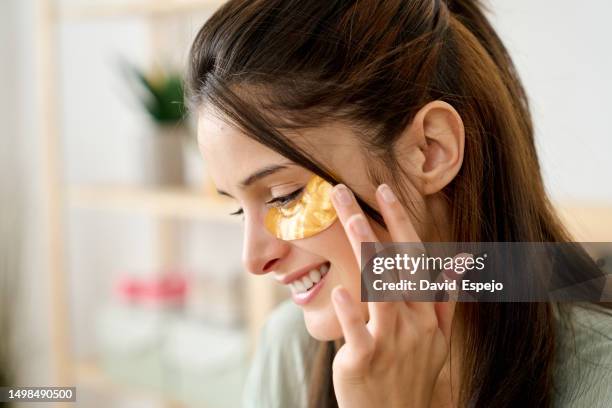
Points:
[(394, 359)]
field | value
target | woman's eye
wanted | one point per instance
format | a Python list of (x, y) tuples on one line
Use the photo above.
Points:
[(237, 212), (286, 199), (278, 201)]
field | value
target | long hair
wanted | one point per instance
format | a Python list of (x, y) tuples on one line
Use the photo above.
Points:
[(271, 66)]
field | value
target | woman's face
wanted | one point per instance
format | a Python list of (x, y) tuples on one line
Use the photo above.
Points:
[(232, 157)]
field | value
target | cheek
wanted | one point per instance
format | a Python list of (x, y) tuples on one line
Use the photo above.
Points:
[(332, 245)]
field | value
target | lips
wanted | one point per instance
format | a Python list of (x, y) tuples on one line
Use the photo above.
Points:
[(305, 289)]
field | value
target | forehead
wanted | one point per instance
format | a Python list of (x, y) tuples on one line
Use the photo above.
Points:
[(229, 152), (231, 155)]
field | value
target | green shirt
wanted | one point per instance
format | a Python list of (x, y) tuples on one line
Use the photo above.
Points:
[(281, 365)]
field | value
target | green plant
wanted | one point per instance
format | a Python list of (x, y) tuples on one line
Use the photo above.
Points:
[(161, 91)]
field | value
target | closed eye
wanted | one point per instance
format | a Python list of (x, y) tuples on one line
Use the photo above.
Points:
[(278, 201)]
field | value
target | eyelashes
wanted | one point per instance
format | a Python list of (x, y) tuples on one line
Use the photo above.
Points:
[(237, 212), (286, 199), (278, 201)]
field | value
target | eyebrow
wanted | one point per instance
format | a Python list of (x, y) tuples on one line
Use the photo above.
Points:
[(258, 175)]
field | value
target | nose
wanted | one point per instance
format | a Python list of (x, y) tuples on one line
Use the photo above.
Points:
[(261, 250)]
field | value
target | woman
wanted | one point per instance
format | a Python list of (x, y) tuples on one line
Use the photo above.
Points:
[(414, 112)]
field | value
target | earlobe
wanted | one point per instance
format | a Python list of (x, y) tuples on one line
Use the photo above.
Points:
[(443, 133)]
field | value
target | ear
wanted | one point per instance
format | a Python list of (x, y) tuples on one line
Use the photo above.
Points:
[(437, 140)]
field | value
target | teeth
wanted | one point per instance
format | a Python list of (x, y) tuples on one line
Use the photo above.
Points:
[(299, 286), (310, 279), (314, 275), (307, 282)]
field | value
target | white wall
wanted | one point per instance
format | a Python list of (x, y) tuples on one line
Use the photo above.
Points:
[(563, 53)]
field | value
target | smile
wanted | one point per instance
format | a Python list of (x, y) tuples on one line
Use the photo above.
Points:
[(306, 287)]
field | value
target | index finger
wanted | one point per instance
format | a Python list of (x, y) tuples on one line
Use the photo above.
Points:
[(353, 219), (358, 229), (354, 329)]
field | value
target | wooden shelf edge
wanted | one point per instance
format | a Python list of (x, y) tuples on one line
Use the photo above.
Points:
[(166, 202)]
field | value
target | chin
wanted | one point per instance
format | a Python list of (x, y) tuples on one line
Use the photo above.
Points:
[(323, 325)]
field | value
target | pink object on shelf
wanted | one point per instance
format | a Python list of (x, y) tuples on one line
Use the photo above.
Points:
[(167, 289)]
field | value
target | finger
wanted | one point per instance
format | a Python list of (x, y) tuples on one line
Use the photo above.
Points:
[(424, 311), (353, 219), (448, 277), (401, 229), (458, 275), (400, 226), (356, 334), (383, 318), (445, 311), (396, 217)]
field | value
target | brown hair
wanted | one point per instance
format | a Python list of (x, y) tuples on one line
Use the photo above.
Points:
[(274, 65)]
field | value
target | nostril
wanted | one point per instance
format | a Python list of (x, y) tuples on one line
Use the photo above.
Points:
[(269, 264)]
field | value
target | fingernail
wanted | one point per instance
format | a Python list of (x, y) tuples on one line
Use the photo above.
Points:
[(379, 247), (342, 194), (341, 295), (387, 194), (358, 224)]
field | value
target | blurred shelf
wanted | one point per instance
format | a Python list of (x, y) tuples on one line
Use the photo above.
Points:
[(89, 374), (179, 203), (167, 204), (133, 8)]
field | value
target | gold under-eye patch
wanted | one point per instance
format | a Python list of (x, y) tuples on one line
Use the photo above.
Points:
[(309, 214)]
